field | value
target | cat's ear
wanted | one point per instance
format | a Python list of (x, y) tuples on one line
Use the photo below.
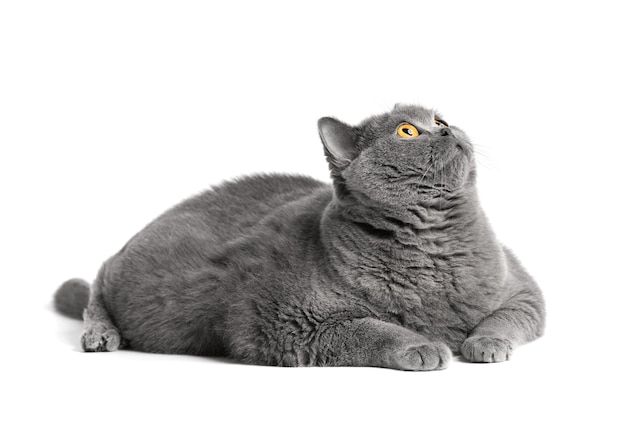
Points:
[(339, 139)]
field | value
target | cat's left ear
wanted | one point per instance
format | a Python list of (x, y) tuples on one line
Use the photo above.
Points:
[(339, 139)]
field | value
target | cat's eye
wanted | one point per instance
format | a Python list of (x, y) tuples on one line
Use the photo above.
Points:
[(441, 123), (406, 130)]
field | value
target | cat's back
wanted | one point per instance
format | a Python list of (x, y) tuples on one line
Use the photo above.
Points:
[(234, 206), (183, 238), (225, 211)]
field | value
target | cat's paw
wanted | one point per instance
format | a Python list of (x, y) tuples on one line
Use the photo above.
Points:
[(428, 356), (485, 349), (100, 338)]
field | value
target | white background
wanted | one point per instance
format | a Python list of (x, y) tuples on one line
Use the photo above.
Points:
[(110, 112)]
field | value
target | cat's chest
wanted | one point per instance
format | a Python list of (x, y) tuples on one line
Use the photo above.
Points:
[(446, 288)]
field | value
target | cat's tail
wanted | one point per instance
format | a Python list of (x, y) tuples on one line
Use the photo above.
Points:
[(72, 297)]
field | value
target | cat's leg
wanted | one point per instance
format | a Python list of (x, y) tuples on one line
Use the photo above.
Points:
[(519, 320), (372, 342), (99, 332)]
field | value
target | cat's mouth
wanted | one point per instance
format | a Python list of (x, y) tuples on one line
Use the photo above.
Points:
[(443, 178)]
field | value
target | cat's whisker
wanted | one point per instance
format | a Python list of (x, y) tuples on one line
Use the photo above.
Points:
[(487, 165), (485, 161), (420, 182), (483, 152), (483, 158)]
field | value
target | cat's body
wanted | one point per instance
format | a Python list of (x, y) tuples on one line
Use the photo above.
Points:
[(390, 267)]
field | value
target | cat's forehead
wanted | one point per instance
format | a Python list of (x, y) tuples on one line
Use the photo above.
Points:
[(414, 112), (401, 113)]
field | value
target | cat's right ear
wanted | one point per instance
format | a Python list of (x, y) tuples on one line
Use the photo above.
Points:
[(339, 139)]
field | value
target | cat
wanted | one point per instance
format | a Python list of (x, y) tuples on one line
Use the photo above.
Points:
[(392, 265)]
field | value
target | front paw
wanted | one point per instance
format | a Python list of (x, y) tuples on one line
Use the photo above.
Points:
[(429, 356), (485, 349)]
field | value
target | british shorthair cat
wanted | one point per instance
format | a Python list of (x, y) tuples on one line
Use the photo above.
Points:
[(393, 265)]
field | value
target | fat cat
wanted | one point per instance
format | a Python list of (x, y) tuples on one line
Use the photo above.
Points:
[(392, 265)]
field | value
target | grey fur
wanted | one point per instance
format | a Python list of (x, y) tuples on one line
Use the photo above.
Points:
[(394, 266), (72, 298)]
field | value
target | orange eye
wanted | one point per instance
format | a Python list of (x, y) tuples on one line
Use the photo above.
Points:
[(406, 130), (440, 123)]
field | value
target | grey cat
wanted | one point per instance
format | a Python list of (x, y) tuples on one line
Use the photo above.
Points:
[(394, 265)]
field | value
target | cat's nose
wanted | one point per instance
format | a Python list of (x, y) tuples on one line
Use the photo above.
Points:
[(446, 132)]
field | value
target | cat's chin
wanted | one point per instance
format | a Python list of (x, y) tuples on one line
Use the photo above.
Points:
[(427, 197), (433, 197), (440, 194)]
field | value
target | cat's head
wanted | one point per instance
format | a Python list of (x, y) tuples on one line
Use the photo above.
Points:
[(408, 155)]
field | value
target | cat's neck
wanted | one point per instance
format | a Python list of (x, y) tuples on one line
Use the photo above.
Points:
[(437, 215), (361, 234)]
